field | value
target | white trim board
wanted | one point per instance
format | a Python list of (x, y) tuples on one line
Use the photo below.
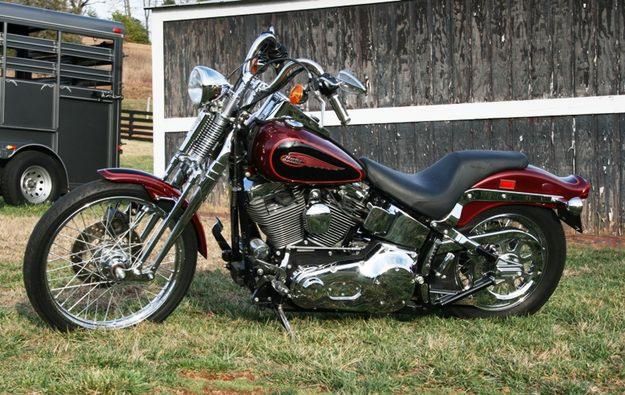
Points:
[(216, 10), (459, 112)]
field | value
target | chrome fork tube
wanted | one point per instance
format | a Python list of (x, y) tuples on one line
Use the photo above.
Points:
[(197, 188)]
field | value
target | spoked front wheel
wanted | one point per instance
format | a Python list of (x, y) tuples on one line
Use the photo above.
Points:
[(81, 264)]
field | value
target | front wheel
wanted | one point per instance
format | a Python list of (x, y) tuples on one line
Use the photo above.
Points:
[(78, 267), (531, 236)]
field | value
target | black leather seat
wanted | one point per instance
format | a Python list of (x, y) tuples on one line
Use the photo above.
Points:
[(434, 191)]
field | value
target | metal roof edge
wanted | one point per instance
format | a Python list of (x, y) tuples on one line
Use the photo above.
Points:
[(45, 17)]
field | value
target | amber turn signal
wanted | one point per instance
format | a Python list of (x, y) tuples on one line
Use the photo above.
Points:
[(297, 94), (254, 65)]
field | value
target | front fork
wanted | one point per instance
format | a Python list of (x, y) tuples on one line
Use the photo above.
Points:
[(199, 185)]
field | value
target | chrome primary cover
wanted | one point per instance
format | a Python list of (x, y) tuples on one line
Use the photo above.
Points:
[(383, 283)]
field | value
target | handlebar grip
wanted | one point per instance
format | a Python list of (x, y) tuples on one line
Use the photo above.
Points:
[(339, 109)]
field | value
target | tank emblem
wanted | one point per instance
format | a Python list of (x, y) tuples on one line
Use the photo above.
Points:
[(297, 159)]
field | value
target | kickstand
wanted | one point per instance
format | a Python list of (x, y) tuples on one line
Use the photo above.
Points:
[(284, 321)]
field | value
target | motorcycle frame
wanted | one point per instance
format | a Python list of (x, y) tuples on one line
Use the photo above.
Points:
[(197, 180)]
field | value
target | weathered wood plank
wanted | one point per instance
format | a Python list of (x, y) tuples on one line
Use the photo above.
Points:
[(562, 145), (404, 53), (519, 15), (481, 88), (439, 23), (462, 50), (385, 25), (541, 49), (608, 46), (585, 159), (421, 70), (619, 156), (501, 73), (501, 135), (563, 48), (608, 171), (423, 144), (585, 48)]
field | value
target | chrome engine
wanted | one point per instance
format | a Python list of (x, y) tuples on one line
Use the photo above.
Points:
[(326, 269), (288, 215), (383, 283)]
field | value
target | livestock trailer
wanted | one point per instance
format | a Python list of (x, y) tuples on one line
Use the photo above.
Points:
[(60, 97)]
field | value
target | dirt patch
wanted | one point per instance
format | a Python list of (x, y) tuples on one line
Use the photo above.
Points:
[(218, 376), (573, 272), (596, 242), (15, 232), (211, 377)]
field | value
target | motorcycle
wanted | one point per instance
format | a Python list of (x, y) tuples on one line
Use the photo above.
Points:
[(476, 234)]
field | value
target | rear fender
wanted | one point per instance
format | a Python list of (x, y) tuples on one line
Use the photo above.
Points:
[(157, 189), (530, 186)]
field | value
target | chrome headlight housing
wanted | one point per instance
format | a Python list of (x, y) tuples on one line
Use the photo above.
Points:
[(205, 85)]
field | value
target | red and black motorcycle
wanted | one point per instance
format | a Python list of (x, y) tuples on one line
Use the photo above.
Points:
[(312, 228)]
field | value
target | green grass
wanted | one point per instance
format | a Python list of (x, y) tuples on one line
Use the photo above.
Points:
[(134, 104), (217, 341), (137, 155), (140, 162), (23, 210)]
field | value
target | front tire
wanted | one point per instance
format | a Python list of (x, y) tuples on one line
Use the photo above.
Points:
[(81, 245), (544, 259)]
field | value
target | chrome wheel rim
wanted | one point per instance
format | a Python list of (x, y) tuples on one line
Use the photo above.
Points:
[(528, 248), (36, 184), (84, 265)]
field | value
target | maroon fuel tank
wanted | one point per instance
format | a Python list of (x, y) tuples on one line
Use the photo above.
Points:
[(284, 153)]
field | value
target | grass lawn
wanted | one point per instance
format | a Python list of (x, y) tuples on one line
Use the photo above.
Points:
[(137, 155), (217, 342)]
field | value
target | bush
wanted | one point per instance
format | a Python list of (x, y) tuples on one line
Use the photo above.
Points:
[(135, 31)]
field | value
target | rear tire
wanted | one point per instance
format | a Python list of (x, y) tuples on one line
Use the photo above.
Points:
[(32, 177), (37, 277), (552, 235)]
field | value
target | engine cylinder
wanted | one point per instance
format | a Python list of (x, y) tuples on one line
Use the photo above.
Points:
[(278, 212)]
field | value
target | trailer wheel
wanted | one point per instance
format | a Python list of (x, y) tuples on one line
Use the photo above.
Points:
[(31, 177)]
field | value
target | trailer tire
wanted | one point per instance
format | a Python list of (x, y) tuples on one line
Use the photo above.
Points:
[(31, 177)]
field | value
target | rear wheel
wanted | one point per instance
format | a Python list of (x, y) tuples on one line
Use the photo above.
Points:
[(530, 236), (80, 267), (32, 177)]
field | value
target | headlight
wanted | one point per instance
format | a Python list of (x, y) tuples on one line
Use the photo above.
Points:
[(206, 84)]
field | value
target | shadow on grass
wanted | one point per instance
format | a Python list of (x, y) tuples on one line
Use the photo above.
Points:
[(25, 310), (215, 292)]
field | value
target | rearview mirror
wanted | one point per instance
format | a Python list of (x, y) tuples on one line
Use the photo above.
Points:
[(349, 83)]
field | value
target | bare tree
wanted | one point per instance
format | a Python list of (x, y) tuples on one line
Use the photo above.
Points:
[(57, 5), (78, 6)]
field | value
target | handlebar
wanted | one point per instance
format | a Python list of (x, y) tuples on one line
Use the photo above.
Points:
[(339, 109), (288, 71)]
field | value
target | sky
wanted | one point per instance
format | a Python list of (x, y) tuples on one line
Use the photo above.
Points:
[(104, 8)]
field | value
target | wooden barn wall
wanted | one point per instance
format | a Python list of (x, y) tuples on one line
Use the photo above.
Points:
[(450, 51), (590, 145)]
